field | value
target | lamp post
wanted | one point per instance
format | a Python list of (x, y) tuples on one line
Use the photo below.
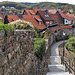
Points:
[(63, 45)]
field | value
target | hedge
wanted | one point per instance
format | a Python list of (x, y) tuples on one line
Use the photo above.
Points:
[(39, 48), (5, 27)]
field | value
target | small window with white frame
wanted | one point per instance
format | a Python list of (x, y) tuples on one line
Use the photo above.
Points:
[(46, 15), (39, 22), (51, 22)]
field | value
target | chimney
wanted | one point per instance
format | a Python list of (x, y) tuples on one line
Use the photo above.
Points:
[(46, 10)]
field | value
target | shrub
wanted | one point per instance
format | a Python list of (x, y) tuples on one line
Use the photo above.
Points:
[(21, 24), (47, 34), (69, 45), (36, 32), (39, 47), (6, 27)]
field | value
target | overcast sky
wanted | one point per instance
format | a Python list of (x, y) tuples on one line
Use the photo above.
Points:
[(62, 1)]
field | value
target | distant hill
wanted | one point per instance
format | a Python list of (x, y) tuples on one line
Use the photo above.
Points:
[(40, 5), (27, 3), (48, 5), (13, 4)]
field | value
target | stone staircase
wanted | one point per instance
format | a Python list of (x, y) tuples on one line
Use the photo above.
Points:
[(56, 68)]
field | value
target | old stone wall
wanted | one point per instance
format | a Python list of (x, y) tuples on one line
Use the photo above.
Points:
[(70, 31), (16, 52)]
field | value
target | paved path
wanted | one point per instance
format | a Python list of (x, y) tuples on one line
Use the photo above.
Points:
[(56, 68), (54, 48)]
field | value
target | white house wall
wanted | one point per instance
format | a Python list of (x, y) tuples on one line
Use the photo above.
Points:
[(67, 21)]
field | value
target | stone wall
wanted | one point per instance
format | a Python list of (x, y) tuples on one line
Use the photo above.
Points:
[(70, 31), (17, 55), (16, 52)]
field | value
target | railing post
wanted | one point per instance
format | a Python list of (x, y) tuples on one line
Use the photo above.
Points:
[(69, 65), (63, 50), (74, 65)]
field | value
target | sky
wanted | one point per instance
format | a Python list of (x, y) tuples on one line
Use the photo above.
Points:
[(33, 1)]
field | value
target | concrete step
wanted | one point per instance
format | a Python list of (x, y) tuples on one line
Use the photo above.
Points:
[(71, 74), (57, 73), (56, 68), (55, 59)]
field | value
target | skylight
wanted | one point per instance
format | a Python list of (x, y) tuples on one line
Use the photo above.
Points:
[(46, 15)]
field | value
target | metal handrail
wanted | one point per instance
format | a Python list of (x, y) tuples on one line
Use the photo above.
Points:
[(66, 62)]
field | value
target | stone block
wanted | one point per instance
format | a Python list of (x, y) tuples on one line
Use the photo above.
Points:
[(1, 71), (9, 56)]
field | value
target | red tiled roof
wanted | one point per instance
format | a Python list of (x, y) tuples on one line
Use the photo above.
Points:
[(13, 18), (36, 10), (57, 18), (52, 29), (63, 27), (1, 18), (30, 18), (74, 21), (65, 15), (70, 15), (29, 12), (37, 17), (52, 11), (43, 13), (32, 12)]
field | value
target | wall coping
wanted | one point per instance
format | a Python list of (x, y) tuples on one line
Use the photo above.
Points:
[(2, 33), (22, 30)]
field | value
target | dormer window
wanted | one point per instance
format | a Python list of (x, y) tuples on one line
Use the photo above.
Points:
[(52, 17), (51, 22), (24, 17), (33, 17), (39, 22), (46, 15), (30, 22)]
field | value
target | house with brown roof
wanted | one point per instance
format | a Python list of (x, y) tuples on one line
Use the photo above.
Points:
[(46, 17), (11, 18), (35, 20), (66, 20), (50, 19)]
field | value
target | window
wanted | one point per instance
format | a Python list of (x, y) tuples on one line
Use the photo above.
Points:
[(24, 17), (30, 22), (66, 21), (33, 17), (46, 15), (39, 22), (51, 22), (52, 17)]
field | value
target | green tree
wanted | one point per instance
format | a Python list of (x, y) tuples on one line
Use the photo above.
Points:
[(70, 45)]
